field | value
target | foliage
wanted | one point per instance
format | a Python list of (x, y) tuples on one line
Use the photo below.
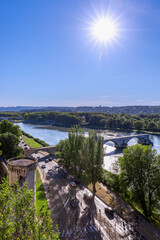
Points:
[(18, 218), (10, 115), (58, 118), (20, 156), (82, 154), (94, 158), (138, 124), (111, 180), (6, 126), (0, 150), (99, 120), (76, 141), (70, 149), (140, 177), (9, 145), (9, 138)]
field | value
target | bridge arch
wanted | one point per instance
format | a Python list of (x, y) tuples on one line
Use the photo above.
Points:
[(134, 140), (49, 149), (111, 141)]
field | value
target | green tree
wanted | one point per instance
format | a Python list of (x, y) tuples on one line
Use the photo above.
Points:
[(18, 217), (76, 142), (152, 126), (140, 176), (6, 126), (0, 150), (138, 124), (9, 145), (94, 158), (63, 151)]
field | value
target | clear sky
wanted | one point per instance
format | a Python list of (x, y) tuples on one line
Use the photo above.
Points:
[(49, 58)]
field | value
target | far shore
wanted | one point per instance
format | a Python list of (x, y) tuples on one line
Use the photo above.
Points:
[(51, 123)]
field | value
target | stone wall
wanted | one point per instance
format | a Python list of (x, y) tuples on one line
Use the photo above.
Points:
[(23, 170), (50, 149)]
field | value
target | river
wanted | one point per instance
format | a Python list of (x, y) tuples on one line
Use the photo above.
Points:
[(52, 135)]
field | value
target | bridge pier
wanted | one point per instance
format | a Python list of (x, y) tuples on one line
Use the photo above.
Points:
[(147, 142), (144, 140)]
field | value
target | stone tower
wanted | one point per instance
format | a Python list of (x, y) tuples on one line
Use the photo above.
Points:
[(23, 170)]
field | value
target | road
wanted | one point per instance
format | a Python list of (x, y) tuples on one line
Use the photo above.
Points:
[(22, 144), (88, 219)]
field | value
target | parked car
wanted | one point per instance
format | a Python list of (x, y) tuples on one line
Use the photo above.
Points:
[(50, 159), (43, 166), (77, 181), (64, 174), (48, 176), (58, 167), (73, 184), (46, 160), (73, 203), (88, 197), (65, 171), (109, 212), (25, 144)]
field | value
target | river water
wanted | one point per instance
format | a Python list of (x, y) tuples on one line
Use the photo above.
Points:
[(52, 135)]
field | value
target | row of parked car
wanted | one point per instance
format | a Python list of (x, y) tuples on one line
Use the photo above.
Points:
[(46, 161), (23, 143)]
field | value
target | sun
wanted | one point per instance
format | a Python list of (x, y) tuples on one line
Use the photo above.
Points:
[(104, 30)]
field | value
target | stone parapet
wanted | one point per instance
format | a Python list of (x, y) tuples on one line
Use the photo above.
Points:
[(23, 170)]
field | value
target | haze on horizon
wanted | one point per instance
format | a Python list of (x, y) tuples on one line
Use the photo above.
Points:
[(50, 57)]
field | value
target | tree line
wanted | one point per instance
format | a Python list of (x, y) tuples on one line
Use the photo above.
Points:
[(98, 120), (143, 122), (134, 110)]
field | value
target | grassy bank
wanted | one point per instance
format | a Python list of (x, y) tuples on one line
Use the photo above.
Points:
[(41, 142), (31, 143), (40, 193)]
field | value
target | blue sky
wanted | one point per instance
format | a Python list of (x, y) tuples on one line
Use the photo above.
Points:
[(48, 58)]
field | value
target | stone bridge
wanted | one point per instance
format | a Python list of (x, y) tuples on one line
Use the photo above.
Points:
[(121, 142), (49, 149)]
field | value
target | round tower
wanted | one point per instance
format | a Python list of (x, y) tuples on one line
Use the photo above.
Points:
[(23, 170)]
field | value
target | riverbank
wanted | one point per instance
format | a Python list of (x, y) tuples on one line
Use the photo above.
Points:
[(83, 126), (32, 141)]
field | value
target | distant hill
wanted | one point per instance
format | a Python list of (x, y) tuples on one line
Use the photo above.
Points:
[(134, 110)]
